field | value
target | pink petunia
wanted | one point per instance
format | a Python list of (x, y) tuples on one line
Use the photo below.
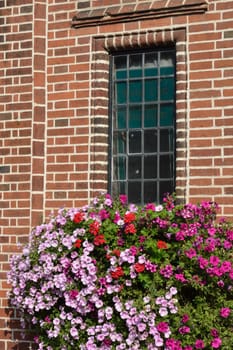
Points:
[(216, 343), (225, 312)]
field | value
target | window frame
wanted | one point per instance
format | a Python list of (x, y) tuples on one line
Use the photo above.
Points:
[(158, 101)]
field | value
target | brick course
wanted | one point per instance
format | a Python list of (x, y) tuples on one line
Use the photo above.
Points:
[(54, 68)]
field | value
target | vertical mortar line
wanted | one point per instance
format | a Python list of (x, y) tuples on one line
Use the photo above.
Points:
[(46, 107), (33, 113), (90, 119), (222, 93), (187, 192)]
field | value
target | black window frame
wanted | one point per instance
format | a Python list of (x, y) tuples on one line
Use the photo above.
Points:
[(160, 51)]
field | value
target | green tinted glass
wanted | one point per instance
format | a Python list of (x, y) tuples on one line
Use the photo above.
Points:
[(135, 117), (121, 74), (121, 118), (150, 116), (167, 89), (135, 91), (151, 90), (166, 114), (121, 92), (151, 64)]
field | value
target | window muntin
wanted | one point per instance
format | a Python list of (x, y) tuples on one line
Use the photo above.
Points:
[(143, 124)]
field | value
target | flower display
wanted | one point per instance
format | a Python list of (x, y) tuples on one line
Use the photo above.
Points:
[(114, 275)]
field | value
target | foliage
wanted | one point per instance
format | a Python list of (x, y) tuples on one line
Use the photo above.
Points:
[(118, 276)]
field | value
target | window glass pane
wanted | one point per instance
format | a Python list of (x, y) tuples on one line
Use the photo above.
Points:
[(167, 89), (167, 63), (120, 118), (166, 140), (150, 167), (164, 188), (119, 142), (151, 64), (151, 90), (166, 166), (166, 114), (150, 192), (118, 187), (135, 91), (121, 92), (119, 168), (134, 192), (121, 74), (134, 168), (135, 117), (150, 141), (135, 142), (143, 134), (120, 64), (150, 116), (135, 66)]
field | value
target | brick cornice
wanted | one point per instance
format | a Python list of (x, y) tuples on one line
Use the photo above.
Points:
[(146, 10)]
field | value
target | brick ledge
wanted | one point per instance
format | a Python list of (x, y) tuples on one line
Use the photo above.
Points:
[(129, 13)]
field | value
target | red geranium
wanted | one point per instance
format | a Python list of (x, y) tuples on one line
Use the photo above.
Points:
[(162, 245), (129, 217), (94, 228), (78, 243), (116, 252), (117, 273), (130, 228), (79, 217), (139, 267), (99, 239)]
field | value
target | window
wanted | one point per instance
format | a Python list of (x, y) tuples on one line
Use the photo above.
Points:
[(142, 124)]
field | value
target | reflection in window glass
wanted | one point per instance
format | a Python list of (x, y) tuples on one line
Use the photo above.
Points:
[(135, 141), (134, 167)]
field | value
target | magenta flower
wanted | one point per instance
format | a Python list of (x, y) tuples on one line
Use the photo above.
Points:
[(184, 330), (162, 327), (225, 312), (214, 333), (167, 271), (199, 344), (191, 253), (150, 206), (214, 260), (123, 199), (180, 277), (216, 343), (185, 318), (180, 236)]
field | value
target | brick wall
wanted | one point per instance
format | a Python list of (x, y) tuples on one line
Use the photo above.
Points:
[(54, 107)]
